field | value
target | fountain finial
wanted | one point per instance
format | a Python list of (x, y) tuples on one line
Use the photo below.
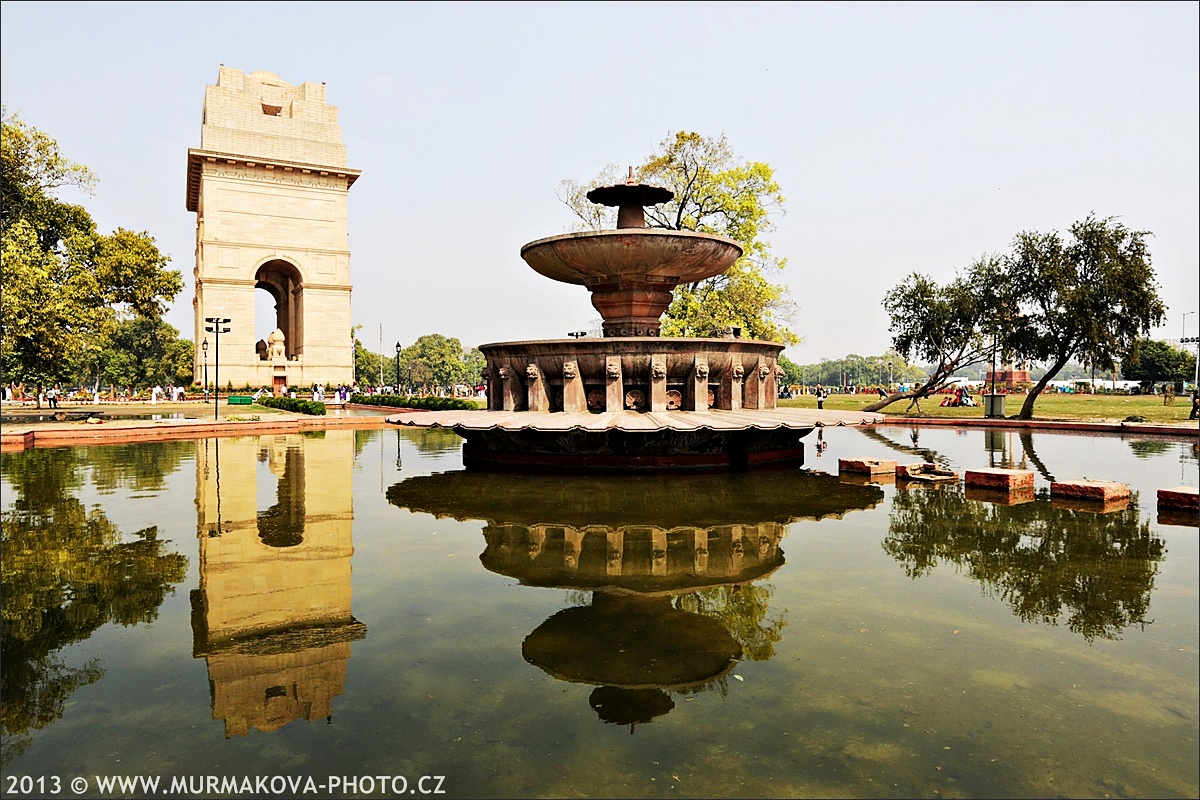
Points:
[(629, 198)]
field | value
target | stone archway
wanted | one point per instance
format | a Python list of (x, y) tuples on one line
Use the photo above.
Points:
[(285, 284), (269, 186)]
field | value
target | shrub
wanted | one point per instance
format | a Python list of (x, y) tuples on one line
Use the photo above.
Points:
[(298, 406), (424, 403)]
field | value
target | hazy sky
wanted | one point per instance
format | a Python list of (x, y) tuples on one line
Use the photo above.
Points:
[(905, 136)]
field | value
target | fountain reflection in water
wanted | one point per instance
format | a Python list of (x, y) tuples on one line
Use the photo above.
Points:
[(671, 567)]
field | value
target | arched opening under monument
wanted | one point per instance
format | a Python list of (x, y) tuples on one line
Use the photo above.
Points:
[(281, 282)]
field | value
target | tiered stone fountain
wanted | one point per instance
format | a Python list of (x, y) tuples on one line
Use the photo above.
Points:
[(632, 400)]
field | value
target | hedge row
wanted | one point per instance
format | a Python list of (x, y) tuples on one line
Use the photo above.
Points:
[(425, 403), (288, 404)]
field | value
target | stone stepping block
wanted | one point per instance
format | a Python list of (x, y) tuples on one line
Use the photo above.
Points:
[(927, 472), (1180, 497), (1005, 480), (1103, 491), (867, 466)]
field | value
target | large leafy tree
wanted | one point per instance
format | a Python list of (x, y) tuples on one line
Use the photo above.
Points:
[(949, 326), (66, 287), (1154, 361), (714, 193), (473, 364), (367, 365), (141, 349), (1091, 296), (433, 360)]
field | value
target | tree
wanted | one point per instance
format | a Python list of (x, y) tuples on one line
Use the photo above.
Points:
[(67, 287), (714, 193), (33, 170), (1090, 297), (433, 360), (1154, 361), (946, 326), (140, 351), (473, 364)]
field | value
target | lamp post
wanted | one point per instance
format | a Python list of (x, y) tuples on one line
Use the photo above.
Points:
[(397, 374), (1184, 340), (1196, 341), (204, 347), (216, 329), (889, 374)]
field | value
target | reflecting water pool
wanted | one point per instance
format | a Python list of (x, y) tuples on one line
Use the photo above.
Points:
[(341, 604)]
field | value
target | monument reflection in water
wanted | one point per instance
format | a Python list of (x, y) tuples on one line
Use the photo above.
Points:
[(271, 617), (654, 554)]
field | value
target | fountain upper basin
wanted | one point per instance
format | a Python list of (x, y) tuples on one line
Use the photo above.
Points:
[(631, 255)]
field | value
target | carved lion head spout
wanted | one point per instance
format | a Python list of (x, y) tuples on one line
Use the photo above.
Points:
[(658, 372), (702, 370), (532, 371), (738, 371), (504, 373), (780, 374), (570, 369), (612, 370), (486, 374), (764, 371)]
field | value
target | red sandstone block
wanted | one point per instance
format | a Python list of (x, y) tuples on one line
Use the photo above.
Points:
[(1105, 491), (1005, 480), (870, 466), (1179, 497), (925, 471)]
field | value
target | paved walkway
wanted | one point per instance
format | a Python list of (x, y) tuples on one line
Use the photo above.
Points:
[(23, 430), (197, 422)]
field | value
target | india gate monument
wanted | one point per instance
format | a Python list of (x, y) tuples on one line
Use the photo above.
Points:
[(269, 185)]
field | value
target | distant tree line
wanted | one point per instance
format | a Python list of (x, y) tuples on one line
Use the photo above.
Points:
[(431, 364)]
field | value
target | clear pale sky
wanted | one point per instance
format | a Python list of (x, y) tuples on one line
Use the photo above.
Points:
[(905, 136)]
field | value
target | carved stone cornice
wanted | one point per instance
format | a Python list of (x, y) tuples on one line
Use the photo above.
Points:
[(198, 158)]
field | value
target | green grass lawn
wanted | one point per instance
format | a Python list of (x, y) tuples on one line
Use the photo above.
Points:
[(1091, 407)]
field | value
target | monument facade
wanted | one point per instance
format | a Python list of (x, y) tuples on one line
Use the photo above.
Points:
[(269, 185)]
